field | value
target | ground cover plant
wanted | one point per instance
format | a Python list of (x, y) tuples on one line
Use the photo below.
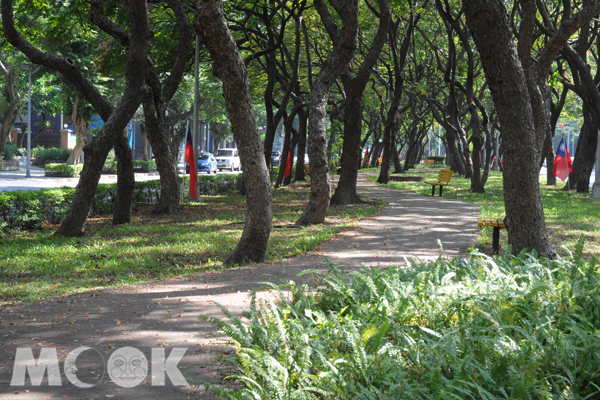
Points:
[(568, 214), (476, 328), (36, 264)]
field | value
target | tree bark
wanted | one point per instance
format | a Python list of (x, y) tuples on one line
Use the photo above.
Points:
[(300, 174), (344, 45), (14, 104), (491, 29), (228, 66)]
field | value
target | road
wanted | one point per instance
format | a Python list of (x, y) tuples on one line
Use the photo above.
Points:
[(16, 180)]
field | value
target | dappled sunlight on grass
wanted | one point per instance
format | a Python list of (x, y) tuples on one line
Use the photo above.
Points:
[(38, 264)]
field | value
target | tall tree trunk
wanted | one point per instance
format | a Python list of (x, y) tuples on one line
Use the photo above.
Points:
[(491, 29), (228, 66), (344, 45)]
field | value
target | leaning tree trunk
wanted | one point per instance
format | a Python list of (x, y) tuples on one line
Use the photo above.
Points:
[(228, 66), (489, 23)]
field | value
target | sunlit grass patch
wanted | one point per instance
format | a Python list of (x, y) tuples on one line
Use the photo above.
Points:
[(38, 265)]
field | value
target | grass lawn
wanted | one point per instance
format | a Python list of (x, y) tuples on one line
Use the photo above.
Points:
[(38, 265), (568, 214)]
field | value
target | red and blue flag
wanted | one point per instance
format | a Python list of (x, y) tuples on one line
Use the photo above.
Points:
[(191, 160), (562, 162)]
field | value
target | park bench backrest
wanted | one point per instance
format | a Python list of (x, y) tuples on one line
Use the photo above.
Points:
[(445, 175)]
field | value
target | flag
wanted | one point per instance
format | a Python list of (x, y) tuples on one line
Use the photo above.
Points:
[(288, 166), (562, 161), (191, 160)]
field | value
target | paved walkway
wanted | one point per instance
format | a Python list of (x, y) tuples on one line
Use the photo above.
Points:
[(162, 315)]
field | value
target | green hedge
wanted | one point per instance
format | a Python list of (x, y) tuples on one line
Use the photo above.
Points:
[(110, 167), (54, 154), (62, 170), (30, 209)]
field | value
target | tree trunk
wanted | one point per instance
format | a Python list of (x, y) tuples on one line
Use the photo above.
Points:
[(156, 130), (344, 44), (126, 180), (491, 29), (228, 66), (548, 155), (346, 189), (144, 132), (585, 155), (301, 146), (14, 104)]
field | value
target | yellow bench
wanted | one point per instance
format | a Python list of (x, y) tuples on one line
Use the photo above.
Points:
[(496, 223), (429, 162), (307, 168), (443, 179)]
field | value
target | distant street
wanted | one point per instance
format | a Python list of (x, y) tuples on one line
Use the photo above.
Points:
[(16, 180)]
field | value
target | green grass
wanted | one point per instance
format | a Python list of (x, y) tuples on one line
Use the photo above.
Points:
[(569, 215), (36, 264)]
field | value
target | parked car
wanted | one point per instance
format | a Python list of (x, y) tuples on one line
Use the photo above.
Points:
[(275, 158), (206, 163), (228, 159)]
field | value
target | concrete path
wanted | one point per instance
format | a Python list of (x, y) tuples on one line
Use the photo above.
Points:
[(162, 315)]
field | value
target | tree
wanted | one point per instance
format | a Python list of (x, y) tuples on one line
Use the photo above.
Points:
[(354, 86), (517, 91), (344, 44), (156, 98), (116, 118), (229, 66)]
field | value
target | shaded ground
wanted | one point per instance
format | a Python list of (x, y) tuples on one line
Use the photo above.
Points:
[(162, 315)]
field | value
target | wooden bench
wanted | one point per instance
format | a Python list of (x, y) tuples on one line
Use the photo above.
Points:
[(443, 179), (429, 162), (307, 168), (497, 224)]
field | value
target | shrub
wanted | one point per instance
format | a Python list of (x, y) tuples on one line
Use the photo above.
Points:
[(62, 170), (11, 150), (144, 166), (53, 154), (480, 328), (110, 167), (30, 209)]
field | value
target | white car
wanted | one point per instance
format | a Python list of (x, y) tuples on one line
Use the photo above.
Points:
[(228, 159)]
